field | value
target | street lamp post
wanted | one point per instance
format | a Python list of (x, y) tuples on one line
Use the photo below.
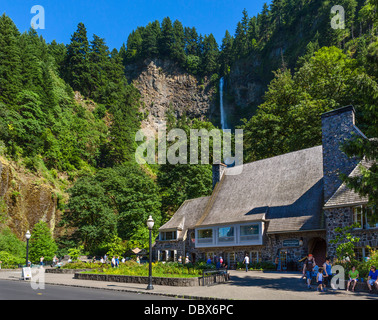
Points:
[(27, 236), (150, 225)]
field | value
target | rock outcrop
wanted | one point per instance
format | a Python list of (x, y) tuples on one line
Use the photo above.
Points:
[(164, 86), (25, 199)]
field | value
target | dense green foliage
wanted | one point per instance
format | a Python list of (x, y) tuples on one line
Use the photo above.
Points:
[(115, 201), (290, 117), (196, 53), (12, 250), (41, 243)]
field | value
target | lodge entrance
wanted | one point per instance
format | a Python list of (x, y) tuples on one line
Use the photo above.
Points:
[(318, 248)]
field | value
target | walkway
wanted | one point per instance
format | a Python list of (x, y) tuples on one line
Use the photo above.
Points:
[(252, 285)]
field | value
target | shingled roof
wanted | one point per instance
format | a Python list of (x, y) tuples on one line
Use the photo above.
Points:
[(187, 215), (286, 190), (347, 197)]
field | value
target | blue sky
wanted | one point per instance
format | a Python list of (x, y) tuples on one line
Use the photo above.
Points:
[(115, 19)]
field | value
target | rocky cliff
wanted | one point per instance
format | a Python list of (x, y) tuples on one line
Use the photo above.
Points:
[(166, 86), (25, 199)]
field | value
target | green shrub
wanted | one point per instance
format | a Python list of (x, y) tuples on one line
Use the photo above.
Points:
[(9, 261)]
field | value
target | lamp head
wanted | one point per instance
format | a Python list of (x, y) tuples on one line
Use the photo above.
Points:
[(150, 222), (27, 235)]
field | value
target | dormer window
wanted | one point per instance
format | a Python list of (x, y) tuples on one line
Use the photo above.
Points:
[(168, 235)]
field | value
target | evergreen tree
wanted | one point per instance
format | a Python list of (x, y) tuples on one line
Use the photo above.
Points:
[(57, 51), (191, 41), (166, 37), (177, 49), (210, 55), (264, 22), (134, 46), (226, 53), (42, 243), (98, 61), (31, 61), (77, 62), (150, 40), (10, 61), (125, 123)]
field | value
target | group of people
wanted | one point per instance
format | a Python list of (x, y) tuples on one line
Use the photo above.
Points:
[(186, 259), (219, 262), (323, 275)]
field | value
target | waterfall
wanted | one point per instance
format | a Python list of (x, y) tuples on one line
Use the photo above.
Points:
[(223, 114)]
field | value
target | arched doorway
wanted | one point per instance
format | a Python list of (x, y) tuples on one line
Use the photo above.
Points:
[(318, 248)]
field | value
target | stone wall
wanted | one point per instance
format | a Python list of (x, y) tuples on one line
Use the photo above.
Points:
[(337, 127), (182, 282), (343, 217)]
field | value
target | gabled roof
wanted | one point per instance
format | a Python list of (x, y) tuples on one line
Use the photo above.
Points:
[(187, 215), (347, 197), (287, 190)]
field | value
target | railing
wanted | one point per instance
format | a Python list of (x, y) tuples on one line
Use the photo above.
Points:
[(210, 277)]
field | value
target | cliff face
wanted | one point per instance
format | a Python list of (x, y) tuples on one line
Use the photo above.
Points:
[(165, 86), (25, 199)]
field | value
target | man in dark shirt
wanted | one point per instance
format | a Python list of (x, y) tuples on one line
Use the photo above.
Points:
[(308, 268)]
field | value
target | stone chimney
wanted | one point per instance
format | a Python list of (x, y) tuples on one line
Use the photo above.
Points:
[(218, 170), (337, 127)]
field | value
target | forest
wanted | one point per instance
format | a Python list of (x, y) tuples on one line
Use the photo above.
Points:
[(69, 113)]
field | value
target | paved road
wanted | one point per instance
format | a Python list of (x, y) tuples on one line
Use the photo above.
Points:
[(20, 290)]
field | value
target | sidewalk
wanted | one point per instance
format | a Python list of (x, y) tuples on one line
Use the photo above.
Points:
[(251, 285)]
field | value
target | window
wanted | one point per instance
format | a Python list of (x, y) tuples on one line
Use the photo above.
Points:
[(205, 236), (363, 254), (254, 257), (365, 217), (231, 258), (169, 235), (226, 234), (249, 232)]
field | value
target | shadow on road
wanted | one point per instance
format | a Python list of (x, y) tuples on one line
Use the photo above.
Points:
[(286, 283)]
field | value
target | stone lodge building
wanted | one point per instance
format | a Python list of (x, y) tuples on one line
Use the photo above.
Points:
[(286, 206)]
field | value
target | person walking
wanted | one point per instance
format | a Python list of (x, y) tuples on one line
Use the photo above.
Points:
[(246, 262), (54, 261), (327, 267), (308, 268), (319, 279), (113, 262), (41, 261)]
